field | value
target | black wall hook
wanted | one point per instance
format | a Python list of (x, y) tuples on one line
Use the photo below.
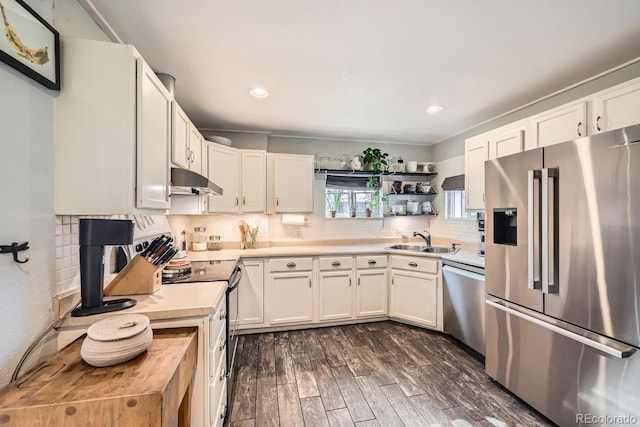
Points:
[(14, 249)]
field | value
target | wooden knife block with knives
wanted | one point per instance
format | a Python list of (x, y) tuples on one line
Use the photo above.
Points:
[(143, 275), (137, 277)]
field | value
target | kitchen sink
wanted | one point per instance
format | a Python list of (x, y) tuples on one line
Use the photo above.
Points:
[(439, 250), (428, 249), (409, 247)]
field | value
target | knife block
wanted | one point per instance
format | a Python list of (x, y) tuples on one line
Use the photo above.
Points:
[(137, 277)]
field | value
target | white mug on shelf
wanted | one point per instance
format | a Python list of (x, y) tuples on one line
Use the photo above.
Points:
[(412, 166)]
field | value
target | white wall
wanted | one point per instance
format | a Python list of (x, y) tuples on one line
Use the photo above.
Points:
[(26, 213)]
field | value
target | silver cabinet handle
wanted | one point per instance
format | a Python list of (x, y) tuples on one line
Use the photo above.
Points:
[(393, 280), (413, 264), (223, 413), (291, 264), (372, 262), (598, 123), (223, 344), (620, 351), (349, 281), (578, 129), (309, 282), (192, 156), (223, 314), (358, 281), (336, 263), (237, 201), (244, 200), (223, 373), (277, 201)]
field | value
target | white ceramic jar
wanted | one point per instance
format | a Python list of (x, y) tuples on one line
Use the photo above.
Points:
[(412, 166)]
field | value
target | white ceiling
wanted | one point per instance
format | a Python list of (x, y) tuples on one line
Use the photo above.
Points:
[(367, 69)]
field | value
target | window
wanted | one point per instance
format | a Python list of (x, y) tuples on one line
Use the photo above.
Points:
[(454, 205), (349, 197)]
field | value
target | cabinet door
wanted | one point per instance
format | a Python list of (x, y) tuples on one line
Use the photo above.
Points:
[(195, 150), (253, 186), (180, 137), (223, 170), (558, 125), (505, 144), (414, 297), (476, 152), (251, 293), (153, 140), (293, 183), (291, 298), (371, 293), (617, 107), (335, 292)]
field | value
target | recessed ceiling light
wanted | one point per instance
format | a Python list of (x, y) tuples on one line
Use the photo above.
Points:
[(434, 109), (259, 92)]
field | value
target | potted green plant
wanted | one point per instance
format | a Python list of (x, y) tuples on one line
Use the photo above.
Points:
[(368, 210), (334, 202), (378, 164)]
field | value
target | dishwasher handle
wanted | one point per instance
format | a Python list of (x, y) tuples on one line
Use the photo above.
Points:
[(466, 273)]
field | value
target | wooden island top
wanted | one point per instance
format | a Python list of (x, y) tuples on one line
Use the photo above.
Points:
[(149, 390)]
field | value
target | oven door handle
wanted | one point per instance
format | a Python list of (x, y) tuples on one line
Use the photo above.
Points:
[(235, 279)]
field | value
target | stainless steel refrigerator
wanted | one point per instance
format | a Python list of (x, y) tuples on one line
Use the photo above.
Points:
[(563, 278)]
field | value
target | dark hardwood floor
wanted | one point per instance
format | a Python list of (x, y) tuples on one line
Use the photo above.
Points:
[(372, 374)]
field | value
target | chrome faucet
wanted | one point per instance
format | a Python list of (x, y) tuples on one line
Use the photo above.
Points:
[(426, 238)]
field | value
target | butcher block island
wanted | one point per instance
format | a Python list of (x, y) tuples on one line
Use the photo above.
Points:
[(150, 390)]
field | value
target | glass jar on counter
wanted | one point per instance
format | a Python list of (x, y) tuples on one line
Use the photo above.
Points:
[(199, 239), (214, 243)]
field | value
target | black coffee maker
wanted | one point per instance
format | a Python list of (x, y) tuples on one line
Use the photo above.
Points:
[(94, 234)]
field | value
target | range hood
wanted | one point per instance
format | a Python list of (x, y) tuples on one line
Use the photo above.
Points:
[(184, 181)]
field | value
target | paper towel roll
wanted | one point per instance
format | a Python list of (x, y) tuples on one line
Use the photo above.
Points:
[(288, 219)]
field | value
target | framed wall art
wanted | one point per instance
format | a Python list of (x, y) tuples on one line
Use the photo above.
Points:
[(29, 44)]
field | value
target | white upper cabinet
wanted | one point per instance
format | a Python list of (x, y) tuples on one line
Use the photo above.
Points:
[(616, 107), (224, 170), (112, 133), (289, 183), (476, 152), (180, 139), (187, 144), (561, 124), (506, 143), (252, 181), (196, 143)]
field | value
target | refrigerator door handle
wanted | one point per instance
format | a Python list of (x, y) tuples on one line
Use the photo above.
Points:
[(533, 233), (548, 225), (615, 349)]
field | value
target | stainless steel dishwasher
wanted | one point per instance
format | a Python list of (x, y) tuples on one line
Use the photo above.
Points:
[(464, 303)]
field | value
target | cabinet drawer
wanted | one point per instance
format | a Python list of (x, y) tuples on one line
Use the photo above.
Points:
[(373, 261), (217, 402), (217, 352), (336, 263), (290, 264), (424, 265), (217, 321), (217, 365)]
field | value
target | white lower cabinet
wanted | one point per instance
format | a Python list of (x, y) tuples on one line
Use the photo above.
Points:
[(291, 291), (335, 288), (371, 286), (217, 363), (251, 294), (416, 291)]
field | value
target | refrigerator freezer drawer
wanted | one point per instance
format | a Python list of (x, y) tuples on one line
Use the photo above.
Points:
[(568, 379)]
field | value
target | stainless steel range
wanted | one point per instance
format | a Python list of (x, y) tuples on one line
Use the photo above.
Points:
[(216, 271)]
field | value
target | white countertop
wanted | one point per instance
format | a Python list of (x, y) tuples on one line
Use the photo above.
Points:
[(169, 302), (464, 256)]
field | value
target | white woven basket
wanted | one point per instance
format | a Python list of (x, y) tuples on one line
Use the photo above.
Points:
[(117, 339)]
